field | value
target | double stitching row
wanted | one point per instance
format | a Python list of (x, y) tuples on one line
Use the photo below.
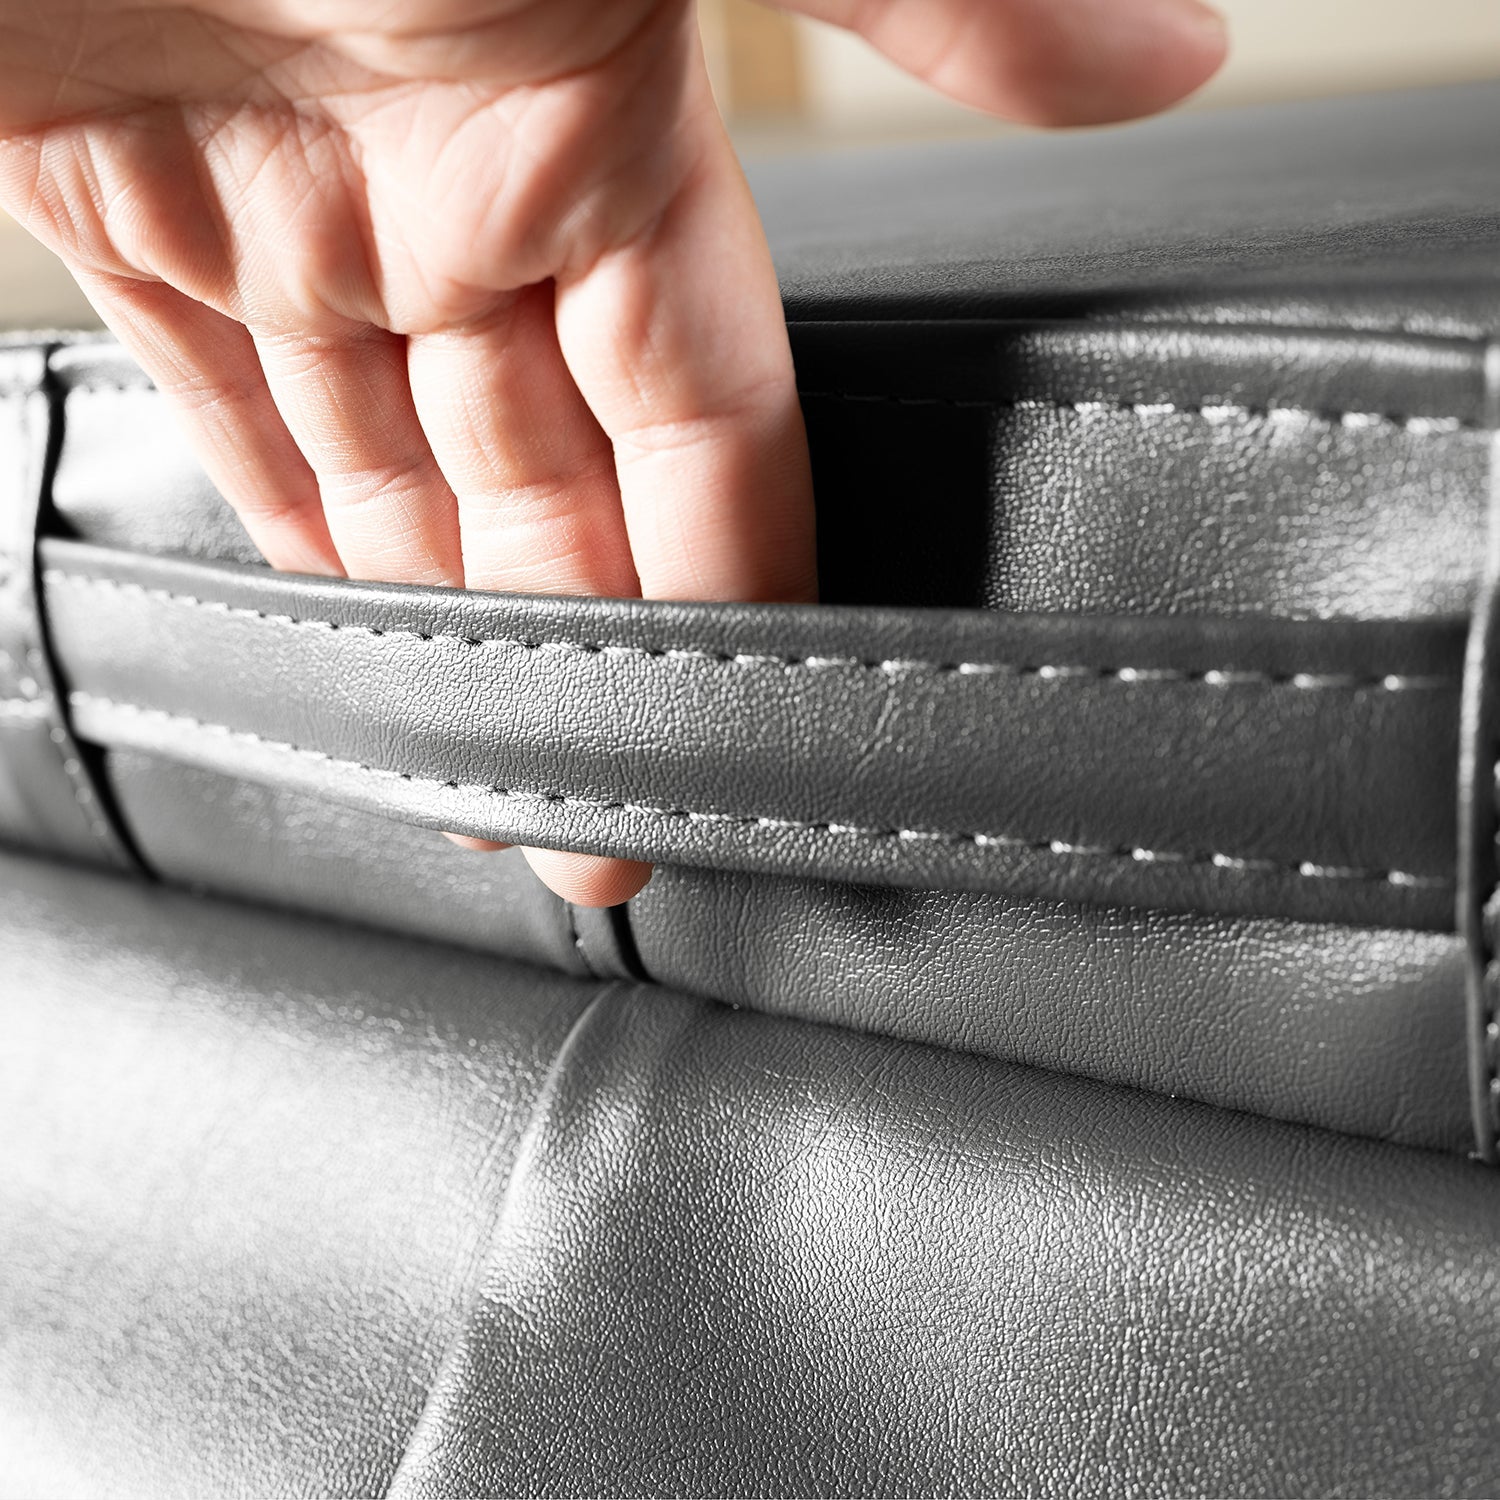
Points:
[(1213, 411), (904, 666), (1304, 870)]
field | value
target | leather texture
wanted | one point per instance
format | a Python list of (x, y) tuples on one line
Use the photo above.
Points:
[(887, 1270), (146, 657), (252, 1166), (1285, 767), (341, 1161), (293, 1208), (49, 798), (1479, 832), (1375, 213), (1347, 1028), (1353, 1029)]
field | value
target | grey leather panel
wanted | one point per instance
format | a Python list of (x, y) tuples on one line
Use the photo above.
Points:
[(125, 475), (1380, 213), (1354, 1030), (1347, 478), (1350, 1029), (1289, 768), (742, 1256), (49, 798), (267, 844), (292, 1208), (1478, 871), (250, 1168), (1017, 499)]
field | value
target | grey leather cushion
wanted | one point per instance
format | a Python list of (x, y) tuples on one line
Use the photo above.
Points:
[(294, 1209), (371, 1168)]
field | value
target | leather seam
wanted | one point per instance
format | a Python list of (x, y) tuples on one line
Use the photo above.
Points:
[(538, 1116), (1209, 411), (1131, 676), (18, 574), (1490, 982), (1225, 863), (578, 948), (1212, 411)]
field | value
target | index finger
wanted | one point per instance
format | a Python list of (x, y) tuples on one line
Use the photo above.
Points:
[(678, 343)]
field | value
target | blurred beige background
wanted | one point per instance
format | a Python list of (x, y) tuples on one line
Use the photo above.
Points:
[(789, 84), (1281, 49)]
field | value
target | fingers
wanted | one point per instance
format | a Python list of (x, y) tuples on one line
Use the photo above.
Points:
[(531, 469), (538, 506), (585, 880), (346, 400), (678, 343), (1044, 62), (206, 364)]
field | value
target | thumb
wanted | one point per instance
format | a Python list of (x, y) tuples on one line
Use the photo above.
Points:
[(1043, 62)]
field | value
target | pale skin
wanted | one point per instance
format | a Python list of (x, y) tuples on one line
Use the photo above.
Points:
[(472, 292)]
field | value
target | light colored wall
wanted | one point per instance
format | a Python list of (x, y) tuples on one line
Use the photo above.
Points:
[(35, 291), (1281, 49)]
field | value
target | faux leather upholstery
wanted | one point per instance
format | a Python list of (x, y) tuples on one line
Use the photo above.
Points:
[(340, 1161), (295, 1209), (1298, 768), (48, 800)]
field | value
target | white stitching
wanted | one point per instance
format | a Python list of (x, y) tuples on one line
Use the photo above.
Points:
[(1210, 411), (111, 388), (46, 705), (1145, 676), (83, 791), (1215, 411), (23, 708), (1305, 870)]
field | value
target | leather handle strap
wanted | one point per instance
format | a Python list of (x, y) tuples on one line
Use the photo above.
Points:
[(1297, 768)]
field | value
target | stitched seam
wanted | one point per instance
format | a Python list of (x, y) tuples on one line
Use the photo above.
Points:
[(122, 387), (1214, 411), (23, 708), (83, 791), (1134, 676), (1305, 870)]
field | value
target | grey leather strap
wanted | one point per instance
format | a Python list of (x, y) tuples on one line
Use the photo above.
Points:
[(1244, 765), (1479, 824), (49, 798)]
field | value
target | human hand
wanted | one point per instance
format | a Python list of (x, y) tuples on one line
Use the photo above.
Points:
[(472, 292)]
